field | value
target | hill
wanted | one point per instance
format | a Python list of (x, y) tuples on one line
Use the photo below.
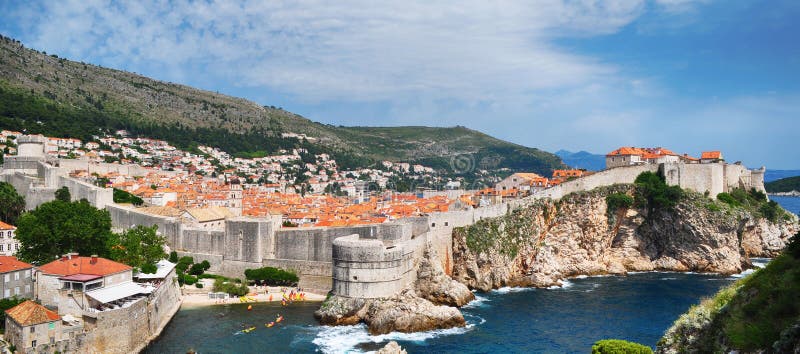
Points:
[(583, 159), (773, 175), (757, 314), (46, 94), (783, 185)]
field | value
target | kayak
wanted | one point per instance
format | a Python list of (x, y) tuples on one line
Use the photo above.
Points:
[(270, 324)]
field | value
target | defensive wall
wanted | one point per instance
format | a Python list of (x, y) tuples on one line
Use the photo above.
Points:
[(315, 254)]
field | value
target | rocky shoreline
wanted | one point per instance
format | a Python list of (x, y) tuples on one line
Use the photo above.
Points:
[(578, 235)]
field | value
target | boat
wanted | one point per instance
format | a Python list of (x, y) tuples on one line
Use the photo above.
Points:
[(280, 318), (248, 330), (270, 324)]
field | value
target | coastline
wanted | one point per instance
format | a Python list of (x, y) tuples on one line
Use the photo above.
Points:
[(194, 300)]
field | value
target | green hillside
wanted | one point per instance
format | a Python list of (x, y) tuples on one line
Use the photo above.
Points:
[(787, 184), (759, 313), (42, 93)]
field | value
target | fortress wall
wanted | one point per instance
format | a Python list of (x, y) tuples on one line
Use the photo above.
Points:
[(202, 241), (316, 244), (603, 178), (118, 331), (97, 196), (68, 165), (214, 259), (124, 218), (366, 268)]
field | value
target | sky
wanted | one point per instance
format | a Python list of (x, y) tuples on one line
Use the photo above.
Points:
[(576, 75)]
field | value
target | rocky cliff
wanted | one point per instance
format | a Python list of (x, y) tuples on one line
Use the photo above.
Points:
[(427, 305), (580, 235)]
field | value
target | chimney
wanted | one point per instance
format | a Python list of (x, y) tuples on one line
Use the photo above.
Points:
[(94, 259)]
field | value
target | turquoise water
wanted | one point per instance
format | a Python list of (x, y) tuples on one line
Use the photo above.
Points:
[(639, 307)]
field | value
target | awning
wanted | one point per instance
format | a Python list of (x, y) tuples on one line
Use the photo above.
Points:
[(120, 291)]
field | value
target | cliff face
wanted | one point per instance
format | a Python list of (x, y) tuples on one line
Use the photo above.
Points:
[(577, 235)]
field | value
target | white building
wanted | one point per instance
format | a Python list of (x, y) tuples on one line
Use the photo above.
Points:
[(8, 241)]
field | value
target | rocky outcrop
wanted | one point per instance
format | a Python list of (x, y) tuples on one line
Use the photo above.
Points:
[(426, 306), (434, 285), (391, 348), (578, 235)]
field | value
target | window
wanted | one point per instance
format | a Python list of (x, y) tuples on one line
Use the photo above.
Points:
[(16, 290), (16, 247), (1, 248), (33, 330), (27, 273), (7, 277), (27, 288), (33, 342), (16, 275), (7, 293)]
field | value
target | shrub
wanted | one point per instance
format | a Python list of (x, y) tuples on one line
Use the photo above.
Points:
[(205, 265), (618, 346), (771, 211), (173, 257), (220, 285), (198, 285), (149, 268), (271, 276), (123, 197), (653, 192), (793, 248), (189, 279), (618, 200), (728, 199), (196, 269)]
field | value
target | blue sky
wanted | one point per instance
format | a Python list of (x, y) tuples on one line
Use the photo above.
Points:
[(576, 75)]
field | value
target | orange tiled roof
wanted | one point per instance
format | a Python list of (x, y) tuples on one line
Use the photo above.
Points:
[(11, 263), (4, 226), (711, 155), (83, 265), (30, 313)]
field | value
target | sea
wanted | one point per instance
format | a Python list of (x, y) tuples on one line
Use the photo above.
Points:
[(568, 319)]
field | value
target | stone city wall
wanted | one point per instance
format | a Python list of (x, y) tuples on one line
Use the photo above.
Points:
[(367, 268)]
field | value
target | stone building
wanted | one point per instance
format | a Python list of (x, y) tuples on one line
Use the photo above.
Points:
[(8, 241), (30, 326), (69, 282), (630, 156), (523, 182), (15, 278)]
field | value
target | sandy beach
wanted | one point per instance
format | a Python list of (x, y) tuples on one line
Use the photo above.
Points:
[(196, 299)]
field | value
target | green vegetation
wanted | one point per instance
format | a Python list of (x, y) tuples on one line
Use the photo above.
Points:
[(139, 247), (58, 227), (271, 276), (123, 197), (783, 185), (506, 234), (11, 203), (617, 201), (618, 346), (233, 288), (753, 201), (63, 195), (653, 193), (749, 315), (199, 268)]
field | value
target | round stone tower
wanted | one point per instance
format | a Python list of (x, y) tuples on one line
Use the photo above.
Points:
[(31, 146)]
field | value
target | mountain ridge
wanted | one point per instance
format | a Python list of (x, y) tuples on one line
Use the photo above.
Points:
[(61, 90)]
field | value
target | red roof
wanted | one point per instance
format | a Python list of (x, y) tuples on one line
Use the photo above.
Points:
[(711, 155), (80, 277), (4, 226), (83, 265), (10, 264), (30, 313)]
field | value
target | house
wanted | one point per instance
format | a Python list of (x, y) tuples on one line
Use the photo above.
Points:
[(8, 242), (29, 325), (711, 157), (208, 218), (627, 156), (74, 284), (15, 278), (522, 181)]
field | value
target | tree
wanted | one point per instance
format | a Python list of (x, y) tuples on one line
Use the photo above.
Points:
[(173, 257), (6, 304), (11, 203), (653, 192), (63, 195), (138, 247), (57, 227)]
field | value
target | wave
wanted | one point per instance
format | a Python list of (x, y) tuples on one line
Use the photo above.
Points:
[(668, 278), (508, 289), (345, 339), (479, 301), (565, 284), (743, 274)]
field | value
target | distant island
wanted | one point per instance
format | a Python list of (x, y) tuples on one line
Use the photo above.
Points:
[(784, 186)]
